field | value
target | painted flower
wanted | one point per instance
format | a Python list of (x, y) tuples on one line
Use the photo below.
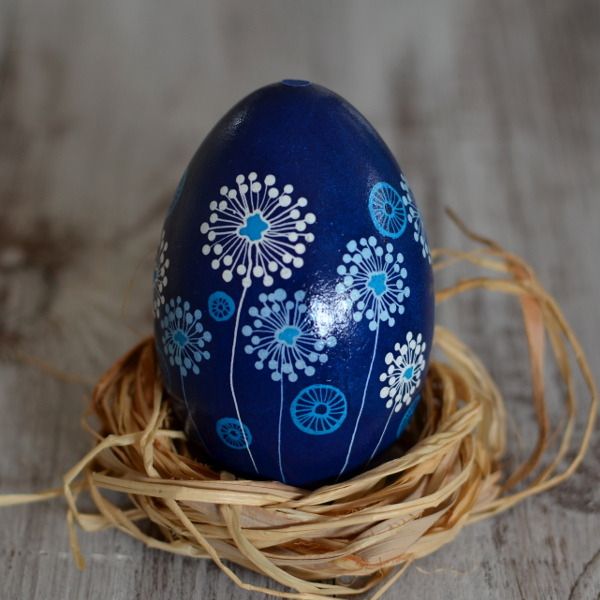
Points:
[(388, 210), (257, 231), (373, 277), (319, 409), (404, 372), (160, 280), (414, 218), (184, 337), (221, 306), (283, 337), (233, 433)]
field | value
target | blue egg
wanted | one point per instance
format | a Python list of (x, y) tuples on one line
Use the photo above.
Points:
[(293, 291)]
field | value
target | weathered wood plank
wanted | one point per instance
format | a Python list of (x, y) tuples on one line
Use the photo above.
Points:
[(492, 108)]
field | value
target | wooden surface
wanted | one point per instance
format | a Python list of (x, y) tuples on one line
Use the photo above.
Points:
[(491, 107)]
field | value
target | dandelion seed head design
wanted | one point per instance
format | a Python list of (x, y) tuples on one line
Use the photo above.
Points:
[(413, 216), (159, 276), (231, 434), (257, 231), (283, 338), (373, 278), (404, 372), (184, 338)]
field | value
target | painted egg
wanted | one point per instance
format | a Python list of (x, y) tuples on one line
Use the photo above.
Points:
[(293, 290)]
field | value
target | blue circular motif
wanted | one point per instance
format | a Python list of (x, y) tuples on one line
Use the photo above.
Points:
[(231, 433), (407, 416), (319, 409), (387, 210), (221, 306)]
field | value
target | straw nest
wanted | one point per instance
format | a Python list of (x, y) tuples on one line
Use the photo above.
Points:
[(358, 535)]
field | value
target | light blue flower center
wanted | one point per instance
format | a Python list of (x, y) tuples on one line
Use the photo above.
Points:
[(255, 227), (378, 283), (180, 338), (288, 335), (408, 372)]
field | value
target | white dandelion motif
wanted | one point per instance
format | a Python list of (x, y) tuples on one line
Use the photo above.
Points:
[(257, 230), (283, 337), (404, 372), (160, 280), (184, 342), (184, 337), (403, 376), (373, 278), (413, 216)]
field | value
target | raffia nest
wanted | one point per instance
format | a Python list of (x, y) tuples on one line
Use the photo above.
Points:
[(351, 537)]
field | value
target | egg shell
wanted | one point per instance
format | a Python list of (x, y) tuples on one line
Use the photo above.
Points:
[(293, 290)]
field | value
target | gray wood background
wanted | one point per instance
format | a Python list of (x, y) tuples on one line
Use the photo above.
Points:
[(491, 107)]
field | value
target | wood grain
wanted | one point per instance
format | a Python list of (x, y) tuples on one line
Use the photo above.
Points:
[(491, 107)]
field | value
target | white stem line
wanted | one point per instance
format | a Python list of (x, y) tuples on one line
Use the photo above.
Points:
[(279, 430), (382, 434), (362, 404), (233, 348), (189, 412)]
